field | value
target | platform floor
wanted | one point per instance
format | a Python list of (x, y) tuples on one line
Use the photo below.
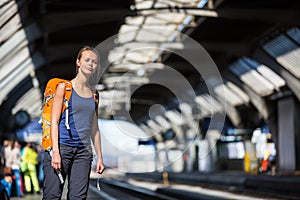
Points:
[(93, 194), (238, 183), (96, 195)]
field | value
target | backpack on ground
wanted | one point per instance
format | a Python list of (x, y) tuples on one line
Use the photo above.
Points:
[(49, 94)]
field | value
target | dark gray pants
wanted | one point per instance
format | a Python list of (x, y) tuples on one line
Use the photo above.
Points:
[(76, 165)]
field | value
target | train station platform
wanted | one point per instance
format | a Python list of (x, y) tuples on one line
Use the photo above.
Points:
[(277, 186), (195, 185)]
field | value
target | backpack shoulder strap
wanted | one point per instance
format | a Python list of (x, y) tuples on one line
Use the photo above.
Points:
[(96, 99), (68, 89)]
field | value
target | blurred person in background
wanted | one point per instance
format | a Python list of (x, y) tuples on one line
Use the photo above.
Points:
[(29, 158), (3, 185), (40, 151), (7, 171), (6, 143), (13, 162), (6, 179), (6, 151)]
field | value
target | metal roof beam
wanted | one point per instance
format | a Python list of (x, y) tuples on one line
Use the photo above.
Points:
[(265, 15), (233, 48), (59, 21)]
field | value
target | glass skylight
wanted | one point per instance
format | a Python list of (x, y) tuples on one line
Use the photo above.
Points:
[(208, 106), (295, 34), (267, 73), (247, 71), (31, 102), (233, 95), (286, 52), (15, 58)]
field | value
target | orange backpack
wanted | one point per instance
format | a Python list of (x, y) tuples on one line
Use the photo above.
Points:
[(49, 93)]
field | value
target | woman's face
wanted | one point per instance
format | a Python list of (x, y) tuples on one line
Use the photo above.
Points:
[(88, 62), (16, 144)]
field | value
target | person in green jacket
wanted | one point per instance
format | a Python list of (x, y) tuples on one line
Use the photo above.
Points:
[(29, 159)]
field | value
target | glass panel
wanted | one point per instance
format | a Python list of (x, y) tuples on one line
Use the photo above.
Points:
[(31, 102), (252, 78), (14, 78), (295, 34), (286, 52), (265, 71), (231, 97), (208, 105)]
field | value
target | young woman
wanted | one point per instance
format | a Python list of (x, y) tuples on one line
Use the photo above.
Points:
[(71, 149)]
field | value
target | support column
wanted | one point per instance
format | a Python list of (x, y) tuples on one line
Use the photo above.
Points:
[(286, 136), (297, 134)]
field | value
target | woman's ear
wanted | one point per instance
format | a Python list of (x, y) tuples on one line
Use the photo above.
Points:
[(78, 63)]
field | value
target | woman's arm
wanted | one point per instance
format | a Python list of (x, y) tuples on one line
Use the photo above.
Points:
[(57, 105), (97, 144)]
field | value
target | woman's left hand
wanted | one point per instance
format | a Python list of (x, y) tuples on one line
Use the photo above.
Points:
[(100, 167)]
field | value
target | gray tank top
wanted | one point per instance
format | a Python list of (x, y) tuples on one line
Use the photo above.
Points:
[(81, 113)]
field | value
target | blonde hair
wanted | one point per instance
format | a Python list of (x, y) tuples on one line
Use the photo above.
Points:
[(95, 78)]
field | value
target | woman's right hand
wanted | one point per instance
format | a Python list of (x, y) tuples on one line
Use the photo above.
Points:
[(56, 160)]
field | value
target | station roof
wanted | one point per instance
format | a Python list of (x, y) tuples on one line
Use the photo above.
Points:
[(254, 45)]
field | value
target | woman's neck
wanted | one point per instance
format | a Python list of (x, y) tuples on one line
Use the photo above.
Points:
[(80, 82)]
